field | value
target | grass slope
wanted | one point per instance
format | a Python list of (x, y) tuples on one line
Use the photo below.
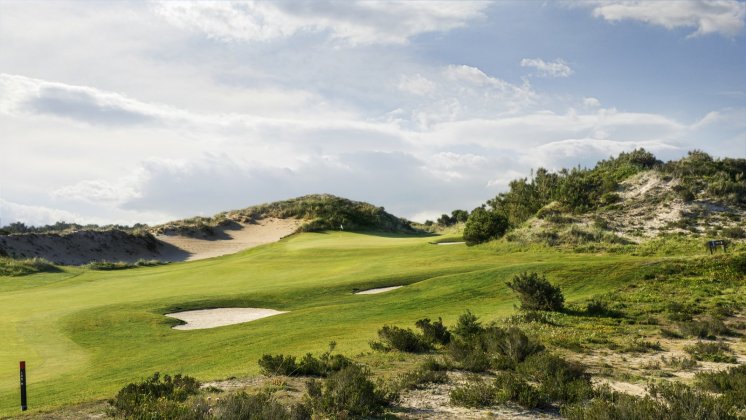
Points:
[(85, 333)]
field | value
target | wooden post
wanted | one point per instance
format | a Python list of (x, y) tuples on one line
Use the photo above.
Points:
[(24, 405)]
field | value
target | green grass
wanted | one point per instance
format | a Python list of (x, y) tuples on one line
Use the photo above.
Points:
[(85, 333)]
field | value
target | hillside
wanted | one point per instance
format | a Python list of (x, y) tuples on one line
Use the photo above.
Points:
[(198, 237), (631, 199)]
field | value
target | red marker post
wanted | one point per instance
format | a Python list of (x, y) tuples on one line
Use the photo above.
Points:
[(24, 405)]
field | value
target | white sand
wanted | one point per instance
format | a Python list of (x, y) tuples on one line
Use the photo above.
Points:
[(250, 235), (377, 291), (451, 243), (211, 318)]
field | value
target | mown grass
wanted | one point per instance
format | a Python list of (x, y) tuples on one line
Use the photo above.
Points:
[(85, 333)]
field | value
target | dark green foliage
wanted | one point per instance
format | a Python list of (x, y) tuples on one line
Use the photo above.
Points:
[(348, 393), (598, 307), (700, 174), (307, 366), (492, 347), (708, 328), (536, 293), (510, 387), (666, 401), (484, 225), (434, 332), (474, 394), (559, 379), (22, 267), (711, 351), (401, 339), (262, 405), (736, 232), (730, 383), (429, 371), (155, 397), (468, 325)]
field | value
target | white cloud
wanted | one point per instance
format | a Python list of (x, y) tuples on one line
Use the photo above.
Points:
[(416, 84), (369, 22), (33, 215), (724, 17), (556, 68), (591, 102)]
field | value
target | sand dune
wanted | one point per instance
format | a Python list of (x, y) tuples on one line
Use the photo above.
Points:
[(230, 240)]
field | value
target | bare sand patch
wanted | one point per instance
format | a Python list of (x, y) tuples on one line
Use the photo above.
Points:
[(450, 243), (218, 317), (377, 291), (230, 240)]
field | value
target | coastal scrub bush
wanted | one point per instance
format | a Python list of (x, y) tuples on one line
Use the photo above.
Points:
[(509, 387), (401, 339), (484, 225), (262, 405), (156, 397), (307, 366), (731, 384), (429, 371), (536, 293), (475, 393), (348, 393), (434, 332), (711, 352), (560, 380)]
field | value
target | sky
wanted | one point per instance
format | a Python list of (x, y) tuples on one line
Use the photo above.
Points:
[(125, 112)]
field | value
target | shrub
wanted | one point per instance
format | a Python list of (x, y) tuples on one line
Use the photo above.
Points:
[(262, 405), (559, 380), (346, 393), (730, 383), (307, 366), (711, 351), (536, 293), (484, 225), (429, 371), (666, 401), (708, 328), (509, 387), (155, 397), (474, 394), (401, 339), (493, 347), (468, 325), (22, 267), (638, 345), (434, 332)]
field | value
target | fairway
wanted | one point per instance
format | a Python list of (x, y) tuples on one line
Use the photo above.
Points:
[(84, 334)]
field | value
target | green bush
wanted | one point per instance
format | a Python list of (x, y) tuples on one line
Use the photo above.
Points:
[(730, 383), (348, 393), (401, 339), (429, 371), (476, 393), (484, 225), (511, 388), (536, 293), (708, 328), (711, 351), (307, 366), (492, 347), (262, 405), (156, 397), (666, 401), (434, 332), (468, 325), (559, 379)]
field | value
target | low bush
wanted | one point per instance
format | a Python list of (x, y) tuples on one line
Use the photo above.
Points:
[(476, 393), (22, 267), (156, 397), (666, 401), (559, 379), (536, 293), (638, 345), (711, 352), (493, 347), (708, 328), (401, 339), (262, 405), (434, 332), (731, 383), (468, 325), (511, 388), (429, 371), (348, 393), (307, 366), (121, 265)]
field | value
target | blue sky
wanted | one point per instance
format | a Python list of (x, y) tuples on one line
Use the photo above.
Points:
[(147, 111)]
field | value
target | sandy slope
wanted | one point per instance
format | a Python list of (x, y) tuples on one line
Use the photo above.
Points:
[(82, 247), (228, 241)]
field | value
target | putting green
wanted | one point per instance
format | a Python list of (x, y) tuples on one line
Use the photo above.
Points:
[(84, 334)]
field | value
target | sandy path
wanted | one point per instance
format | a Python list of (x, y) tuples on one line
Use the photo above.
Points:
[(377, 291), (248, 236), (211, 318)]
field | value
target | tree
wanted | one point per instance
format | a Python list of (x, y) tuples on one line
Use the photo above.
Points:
[(484, 225), (459, 216), (536, 293)]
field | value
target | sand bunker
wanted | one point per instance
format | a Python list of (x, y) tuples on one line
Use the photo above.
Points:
[(211, 318), (248, 236), (451, 243), (376, 291)]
